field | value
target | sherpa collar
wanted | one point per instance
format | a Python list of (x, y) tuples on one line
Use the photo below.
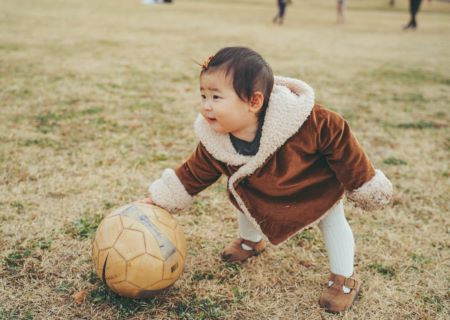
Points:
[(290, 105)]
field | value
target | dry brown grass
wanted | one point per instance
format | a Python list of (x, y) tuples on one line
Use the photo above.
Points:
[(97, 97)]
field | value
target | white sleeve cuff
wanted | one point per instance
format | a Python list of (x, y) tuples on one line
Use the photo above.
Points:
[(169, 193), (374, 194)]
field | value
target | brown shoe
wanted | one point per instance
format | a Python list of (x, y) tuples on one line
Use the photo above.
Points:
[(235, 253), (333, 298)]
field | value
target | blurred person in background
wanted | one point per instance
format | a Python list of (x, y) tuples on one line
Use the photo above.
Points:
[(281, 11), (414, 6), (340, 7), (155, 1)]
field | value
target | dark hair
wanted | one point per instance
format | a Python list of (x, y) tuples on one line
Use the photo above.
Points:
[(249, 70)]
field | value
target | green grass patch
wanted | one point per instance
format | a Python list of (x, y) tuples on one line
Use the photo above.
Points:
[(104, 123), (394, 161), (44, 143), (420, 259), (184, 78), (72, 101), (22, 93), (89, 277), (84, 227), (385, 271), (44, 244), (9, 47), (88, 111), (124, 307), (409, 98), (18, 206), (234, 267), (109, 205), (16, 259), (306, 236), (436, 302), (418, 125), (152, 105), (100, 121), (200, 309), (108, 43), (199, 208), (228, 270), (409, 76), (160, 157), (65, 287), (8, 314), (11, 314), (109, 87), (47, 121), (202, 275), (139, 162), (238, 294)]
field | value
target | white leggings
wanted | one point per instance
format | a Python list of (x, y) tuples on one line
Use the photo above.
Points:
[(337, 234)]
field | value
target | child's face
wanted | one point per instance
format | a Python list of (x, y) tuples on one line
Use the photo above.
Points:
[(222, 108)]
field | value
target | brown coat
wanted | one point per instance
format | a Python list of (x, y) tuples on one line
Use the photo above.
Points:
[(307, 158)]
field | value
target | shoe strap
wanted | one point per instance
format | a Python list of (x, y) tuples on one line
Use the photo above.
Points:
[(340, 281), (350, 283), (256, 246)]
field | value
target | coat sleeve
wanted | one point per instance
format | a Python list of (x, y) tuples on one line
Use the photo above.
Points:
[(175, 189), (367, 187)]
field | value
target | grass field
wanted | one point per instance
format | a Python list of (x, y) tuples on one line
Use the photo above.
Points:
[(98, 97)]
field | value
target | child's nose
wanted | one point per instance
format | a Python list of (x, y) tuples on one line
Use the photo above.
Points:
[(206, 105)]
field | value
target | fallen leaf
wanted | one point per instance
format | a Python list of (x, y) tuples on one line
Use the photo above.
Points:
[(79, 296), (307, 264)]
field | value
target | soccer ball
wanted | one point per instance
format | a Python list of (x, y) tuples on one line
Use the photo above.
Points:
[(139, 250)]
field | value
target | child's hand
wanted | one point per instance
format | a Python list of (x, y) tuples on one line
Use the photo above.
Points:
[(146, 200)]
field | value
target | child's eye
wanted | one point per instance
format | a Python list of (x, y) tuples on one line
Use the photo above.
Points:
[(203, 96), (215, 97)]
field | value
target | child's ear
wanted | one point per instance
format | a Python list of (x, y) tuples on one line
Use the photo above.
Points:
[(256, 101)]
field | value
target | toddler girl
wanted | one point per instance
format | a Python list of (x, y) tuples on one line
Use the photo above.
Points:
[(288, 162)]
